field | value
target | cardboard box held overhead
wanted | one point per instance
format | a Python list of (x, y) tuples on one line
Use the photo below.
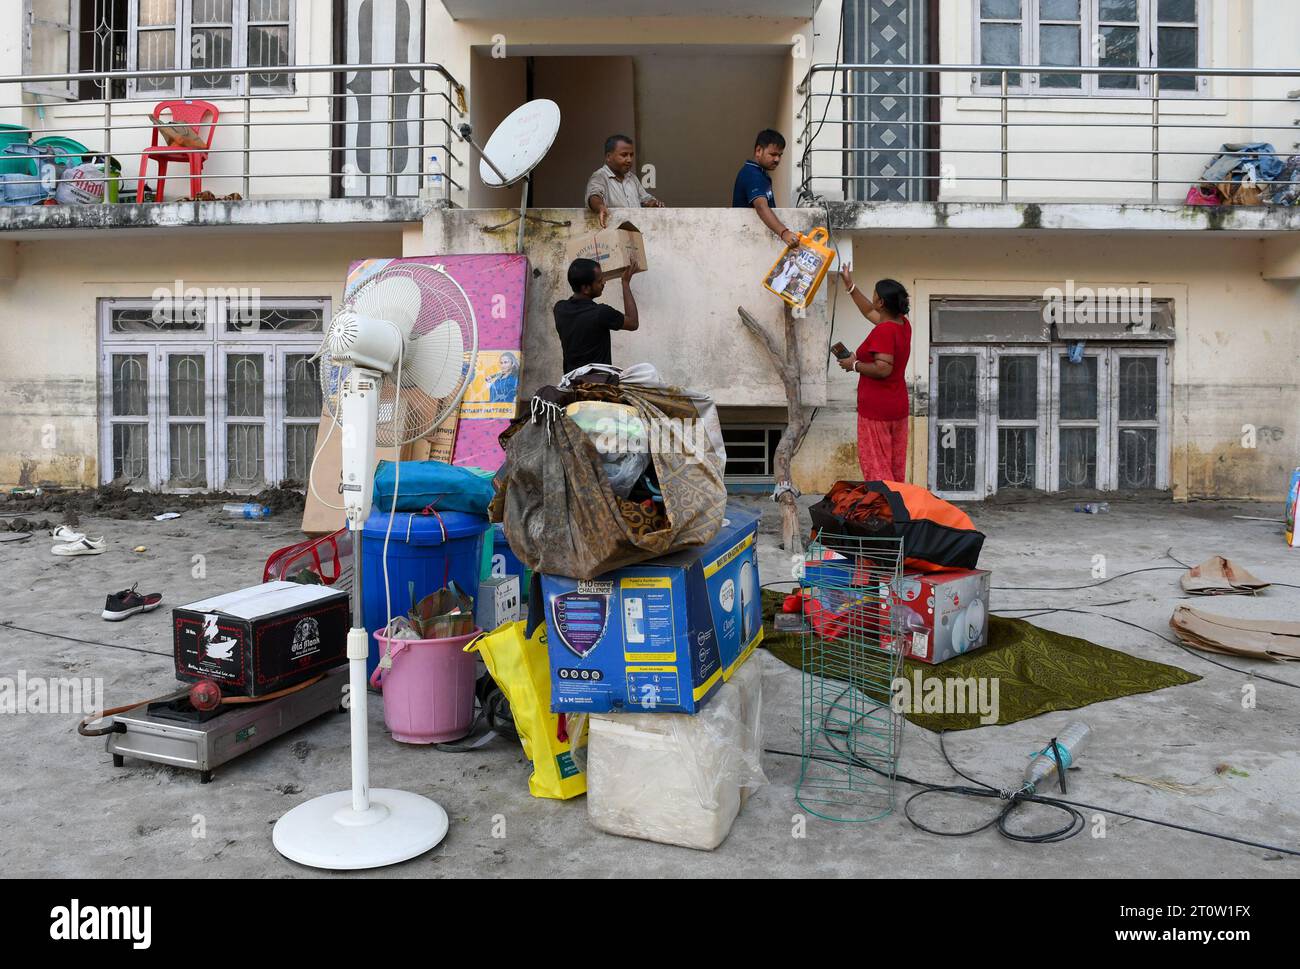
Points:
[(614, 248)]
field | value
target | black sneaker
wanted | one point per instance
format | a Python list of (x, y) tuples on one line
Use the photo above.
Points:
[(128, 602)]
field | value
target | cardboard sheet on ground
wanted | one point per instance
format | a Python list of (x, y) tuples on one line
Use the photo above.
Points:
[(1254, 638), (1217, 576), (1037, 670)]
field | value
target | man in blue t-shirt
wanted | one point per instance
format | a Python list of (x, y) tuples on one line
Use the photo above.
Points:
[(754, 184)]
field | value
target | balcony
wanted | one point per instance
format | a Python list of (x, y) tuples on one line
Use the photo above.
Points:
[(925, 147), (327, 146), (558, 9)]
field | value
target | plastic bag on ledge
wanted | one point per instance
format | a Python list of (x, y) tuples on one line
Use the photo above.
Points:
[(621, 438)]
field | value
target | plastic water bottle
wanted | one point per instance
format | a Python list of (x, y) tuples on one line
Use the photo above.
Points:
[(436, 178), (1070, 742), (247, 510), (1093, 508)]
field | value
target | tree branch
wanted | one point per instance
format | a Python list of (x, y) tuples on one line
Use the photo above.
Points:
[(798, 417)]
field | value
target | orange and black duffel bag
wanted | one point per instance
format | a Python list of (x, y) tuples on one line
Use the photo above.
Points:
[(936, 534)]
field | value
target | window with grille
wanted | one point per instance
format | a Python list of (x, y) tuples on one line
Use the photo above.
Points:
[(218, 395), (197, 34), (1062, 34), (302, 409), (247, 318), (1037, 418), (751, 449), (71, 36)]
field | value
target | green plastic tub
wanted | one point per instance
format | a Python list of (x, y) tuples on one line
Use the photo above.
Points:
[(70, 152), (12, 134)]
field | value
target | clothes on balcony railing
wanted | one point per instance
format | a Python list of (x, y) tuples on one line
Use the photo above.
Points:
[(1288, 193), (1236, 161), (1250, 174)]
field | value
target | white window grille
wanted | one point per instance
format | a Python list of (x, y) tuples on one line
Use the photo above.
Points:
[(300, 408), (192, 399), (1091, 33), (197, 34), (1026, 417), (69, 36)]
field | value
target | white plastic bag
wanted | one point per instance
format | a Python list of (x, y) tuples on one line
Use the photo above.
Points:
[(82, 185), (619, 435), (678, 778), (707, 446)]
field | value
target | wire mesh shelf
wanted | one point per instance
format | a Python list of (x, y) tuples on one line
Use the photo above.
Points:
[(852, 655)]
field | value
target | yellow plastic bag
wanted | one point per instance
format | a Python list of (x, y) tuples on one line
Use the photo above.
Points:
[(521, 668)]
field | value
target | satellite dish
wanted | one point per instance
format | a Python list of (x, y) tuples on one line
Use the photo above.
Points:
[(518, 146), (520, 143)]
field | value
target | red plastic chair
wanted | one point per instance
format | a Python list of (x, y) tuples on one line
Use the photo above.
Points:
[(195, 114)]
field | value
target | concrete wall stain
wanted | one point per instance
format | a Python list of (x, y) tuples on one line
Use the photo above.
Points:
[(1230, 471)]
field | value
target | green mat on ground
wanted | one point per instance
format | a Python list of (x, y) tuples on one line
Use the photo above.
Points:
[(1037, 671)]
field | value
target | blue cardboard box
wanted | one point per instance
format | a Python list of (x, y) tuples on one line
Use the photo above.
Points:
[(662, 635)]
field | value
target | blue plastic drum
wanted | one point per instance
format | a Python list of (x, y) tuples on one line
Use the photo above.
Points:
[(426, 550)]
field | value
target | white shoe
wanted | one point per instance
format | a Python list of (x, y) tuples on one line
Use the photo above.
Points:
[(83, 546), (65, 533)]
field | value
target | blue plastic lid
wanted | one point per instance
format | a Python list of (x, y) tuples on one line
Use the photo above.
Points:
[(418, 529)]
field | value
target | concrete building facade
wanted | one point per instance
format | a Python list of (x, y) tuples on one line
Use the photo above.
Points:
[(168, 342)]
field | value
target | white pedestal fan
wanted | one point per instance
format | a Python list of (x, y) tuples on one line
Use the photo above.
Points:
[(397, 361)]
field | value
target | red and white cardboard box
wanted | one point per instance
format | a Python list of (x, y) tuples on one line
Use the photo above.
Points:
[(942, 614)]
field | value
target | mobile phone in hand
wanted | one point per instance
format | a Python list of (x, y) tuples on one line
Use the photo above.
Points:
[(840, 351)]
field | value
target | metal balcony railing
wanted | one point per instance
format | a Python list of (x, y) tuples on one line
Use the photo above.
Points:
[(946, 132), (262, 134)]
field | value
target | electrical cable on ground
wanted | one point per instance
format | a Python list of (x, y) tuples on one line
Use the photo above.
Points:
[(1017, 798), (1090, 585), (8, 624)]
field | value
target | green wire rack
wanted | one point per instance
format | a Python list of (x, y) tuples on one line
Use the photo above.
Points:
[(852, 736)]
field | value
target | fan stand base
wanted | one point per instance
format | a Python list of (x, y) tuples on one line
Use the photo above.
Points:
[(326, 832)]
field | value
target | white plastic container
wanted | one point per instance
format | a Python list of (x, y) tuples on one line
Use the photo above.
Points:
[(677, 778)]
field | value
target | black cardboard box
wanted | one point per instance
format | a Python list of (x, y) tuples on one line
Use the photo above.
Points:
[(263, 638)]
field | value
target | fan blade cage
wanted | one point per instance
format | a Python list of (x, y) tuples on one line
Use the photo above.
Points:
[(440, 349)]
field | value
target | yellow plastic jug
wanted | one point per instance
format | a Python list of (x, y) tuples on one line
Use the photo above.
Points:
[(798, 272)]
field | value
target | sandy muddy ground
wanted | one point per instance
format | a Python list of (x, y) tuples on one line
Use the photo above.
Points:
[(65, 810)]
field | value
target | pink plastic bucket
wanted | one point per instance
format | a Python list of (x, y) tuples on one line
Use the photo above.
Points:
[(429, 692)]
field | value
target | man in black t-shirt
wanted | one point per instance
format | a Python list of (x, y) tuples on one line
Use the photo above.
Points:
[(583, 324)]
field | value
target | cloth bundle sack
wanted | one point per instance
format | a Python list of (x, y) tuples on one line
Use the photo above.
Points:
[(555, 501), (936, 534), (1241, 193)]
